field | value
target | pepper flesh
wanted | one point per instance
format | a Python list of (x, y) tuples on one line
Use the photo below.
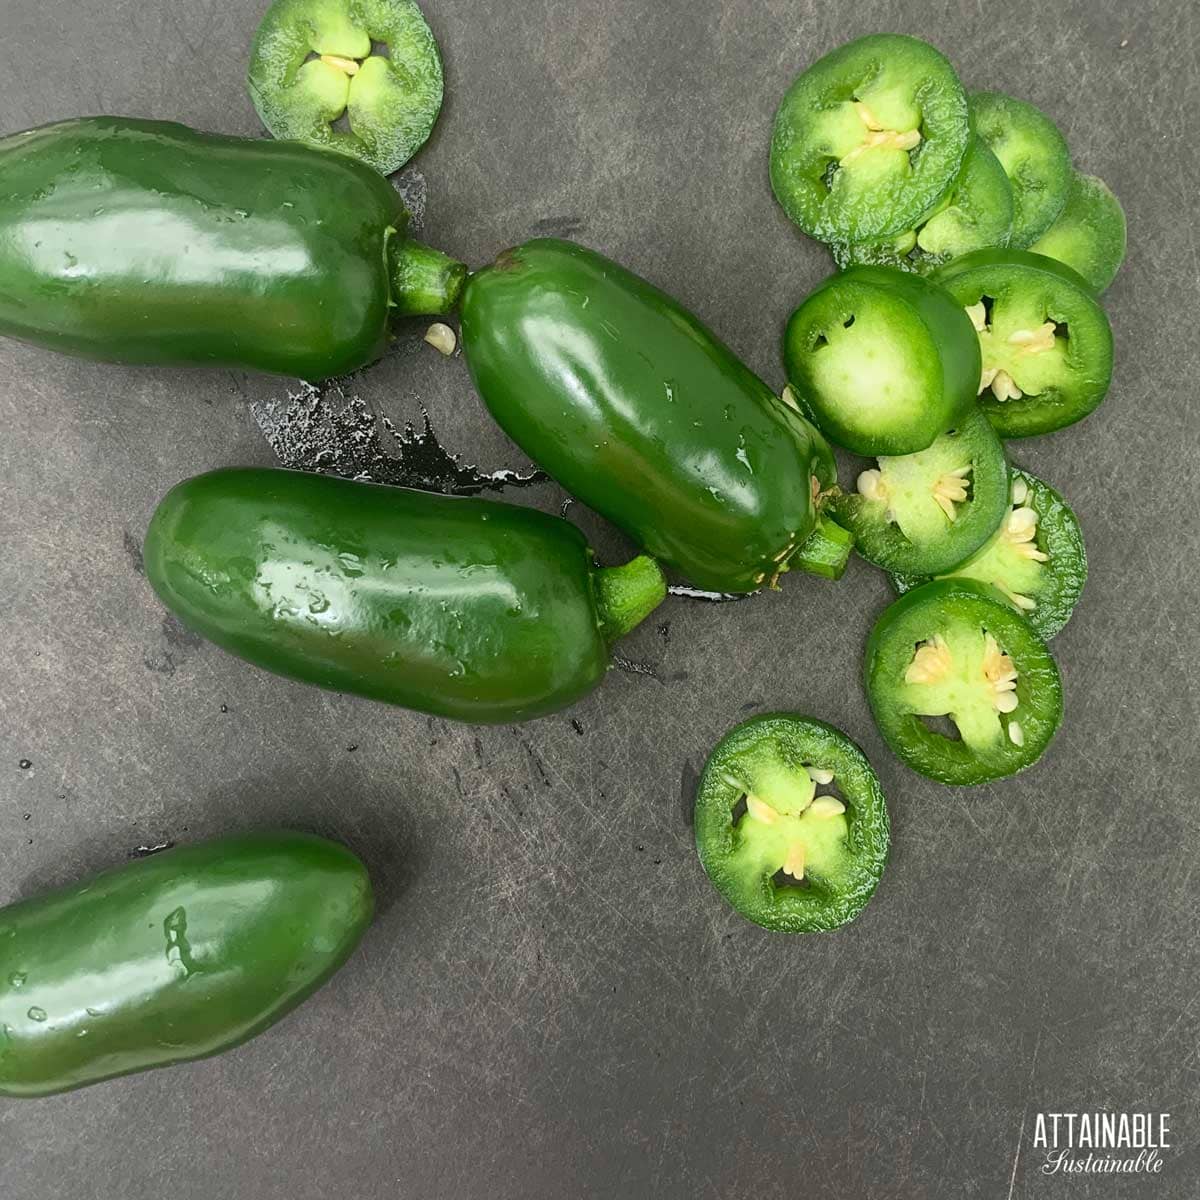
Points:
[(955, 649), (174, 957), (635, 408), (781, 855), (464, 608), (148, 242)]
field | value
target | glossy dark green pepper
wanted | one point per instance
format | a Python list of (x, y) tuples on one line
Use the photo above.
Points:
[(147, 242), (465, 608), (627, 400), (173, 957)]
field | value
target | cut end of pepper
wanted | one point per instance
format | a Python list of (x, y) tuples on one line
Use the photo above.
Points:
[(826, 551), (627, 595), (424, 281)]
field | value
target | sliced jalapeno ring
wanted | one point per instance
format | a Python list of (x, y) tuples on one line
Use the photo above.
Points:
[(1046, 344), (882, 360), (868, 139), (375, 62), (791, 824), (1033, 154), (975, 213), (934, 507), (1036, 559), (954, 651), (1089, 235)]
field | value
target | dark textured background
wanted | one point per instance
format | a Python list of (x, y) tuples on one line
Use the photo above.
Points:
[(553, 1002)]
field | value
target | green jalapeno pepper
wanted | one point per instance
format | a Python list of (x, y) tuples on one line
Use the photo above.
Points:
[(635, 408), (147, 242), (173, 957), (784, 856), (374, 63), (1046, 344), (869, 138), (1089, 235), (931, 508), (953, 650), (1035, 559), (883, 361), (465, 608), (975, 213), (1034, 156)]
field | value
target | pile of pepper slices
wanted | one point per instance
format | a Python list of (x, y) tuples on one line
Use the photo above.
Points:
[(964, 313)]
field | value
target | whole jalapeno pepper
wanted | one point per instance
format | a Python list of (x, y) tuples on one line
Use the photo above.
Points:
[(174, 957), (464, 608), (147, 242), (627, 400)]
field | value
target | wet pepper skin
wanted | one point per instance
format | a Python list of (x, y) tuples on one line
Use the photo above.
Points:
[(147, 242), (627, 400), (173, 957), (464, 608)]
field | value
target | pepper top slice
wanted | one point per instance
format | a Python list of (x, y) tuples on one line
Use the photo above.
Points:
[(375, 62)]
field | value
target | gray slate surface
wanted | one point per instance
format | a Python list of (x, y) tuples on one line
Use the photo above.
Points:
[(554, 1002)]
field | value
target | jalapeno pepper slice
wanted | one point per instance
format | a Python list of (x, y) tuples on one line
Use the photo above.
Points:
[(975, 213), (1046, 344), (868, 139), (791, 824), (1036, 559), (1089, 235), (1034, 156), (881, 360), (934, 507), (954, 649), (315, 61)]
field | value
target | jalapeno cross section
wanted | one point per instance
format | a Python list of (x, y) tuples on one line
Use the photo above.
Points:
[(374, 62), (934, 507), (1034, 156), (881, 360), (953, 649), (868, 139), (791, 823), (975, 213), (1036, 559), (1089, 235), (1045, 342)]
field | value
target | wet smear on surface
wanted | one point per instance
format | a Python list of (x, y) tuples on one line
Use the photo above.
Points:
[(133, 551), (563, 226), (179, 642), (414, 191), (332, 430), (690, 593), (145, 851), (633, 667)]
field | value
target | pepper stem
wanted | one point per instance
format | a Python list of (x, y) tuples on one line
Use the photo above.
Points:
[(626, 596), (825, 551), (425, 282)]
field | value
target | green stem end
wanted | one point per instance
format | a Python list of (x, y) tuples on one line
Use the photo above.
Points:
[(825, 551), (626, 596), (425, 282)]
